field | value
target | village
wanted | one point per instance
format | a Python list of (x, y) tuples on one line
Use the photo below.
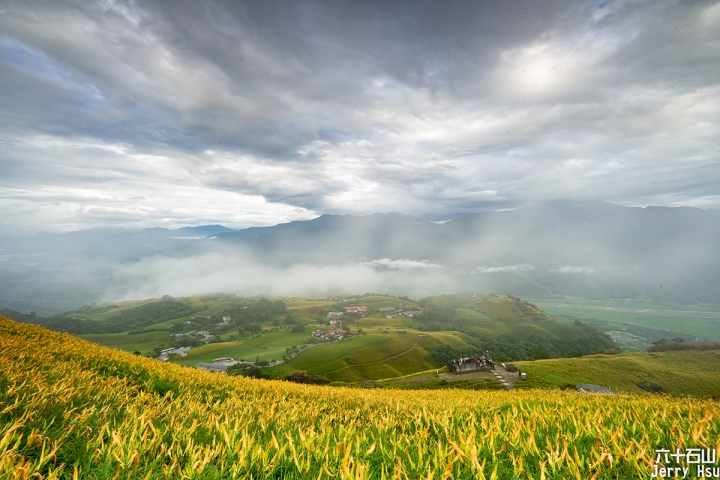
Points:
[(335, 333), (195, 337)]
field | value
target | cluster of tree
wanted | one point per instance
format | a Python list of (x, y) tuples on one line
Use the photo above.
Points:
[(247, 371), (262, 311), (19, 317), (59, 323), (301, 376), (134, 320), (530, 347), (186, 341), (437, 314), (69, 324), (664, 345), (249, 329), (167, 308), (131, 319)]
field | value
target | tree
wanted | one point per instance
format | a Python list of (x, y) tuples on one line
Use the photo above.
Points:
[(540, 351), (298, 328), (438, 314), (264, 305), (576, 352), (278, 307)]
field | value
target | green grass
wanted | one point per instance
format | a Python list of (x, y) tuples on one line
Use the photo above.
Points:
[(472, 315), (207, 349), (280, 338), (267, 346), (648, 326), (166, 325), (699, 307), (145, 342), (386, 346), (368, 356), (704, 328), (679, 372), (237, 351)]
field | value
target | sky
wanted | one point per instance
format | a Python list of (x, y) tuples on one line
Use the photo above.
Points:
[(180, 113)]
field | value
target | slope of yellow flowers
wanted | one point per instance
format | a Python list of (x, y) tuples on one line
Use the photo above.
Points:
[(72, 409)]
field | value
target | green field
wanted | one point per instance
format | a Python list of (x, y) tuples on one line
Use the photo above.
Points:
[(268, 346), (374, 356), (144, 342), (687, 372), (471, 315), (636, 325)]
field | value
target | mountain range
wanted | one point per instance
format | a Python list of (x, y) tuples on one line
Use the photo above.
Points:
[(589, 249)]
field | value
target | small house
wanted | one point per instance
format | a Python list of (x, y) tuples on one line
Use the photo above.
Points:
[(356, 309), (212, 367)]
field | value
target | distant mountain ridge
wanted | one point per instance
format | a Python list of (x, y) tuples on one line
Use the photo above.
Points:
[(563, 247), (589, 249), (106, 242)]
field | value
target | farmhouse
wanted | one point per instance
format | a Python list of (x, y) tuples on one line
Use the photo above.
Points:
[(590, 388), (356, 309), (468, 364), (212, 367), (332, 317), (335, 333), (227, 361), (165, 354)]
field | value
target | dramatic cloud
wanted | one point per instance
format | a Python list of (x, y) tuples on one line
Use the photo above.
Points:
[(253, 113)]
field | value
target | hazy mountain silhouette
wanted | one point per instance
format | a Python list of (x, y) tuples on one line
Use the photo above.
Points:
[(578, 248)]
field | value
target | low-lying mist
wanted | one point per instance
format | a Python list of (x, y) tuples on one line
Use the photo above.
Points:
[(575, 249), (233, 270)]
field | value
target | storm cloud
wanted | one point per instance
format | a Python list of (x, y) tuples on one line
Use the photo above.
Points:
[(135, 114)]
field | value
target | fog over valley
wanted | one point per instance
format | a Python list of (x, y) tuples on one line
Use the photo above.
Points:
[(554, 249)]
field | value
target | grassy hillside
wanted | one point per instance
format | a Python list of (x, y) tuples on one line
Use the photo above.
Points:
[(374, 356), (678, 372), (72, 409), (260, 329)]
